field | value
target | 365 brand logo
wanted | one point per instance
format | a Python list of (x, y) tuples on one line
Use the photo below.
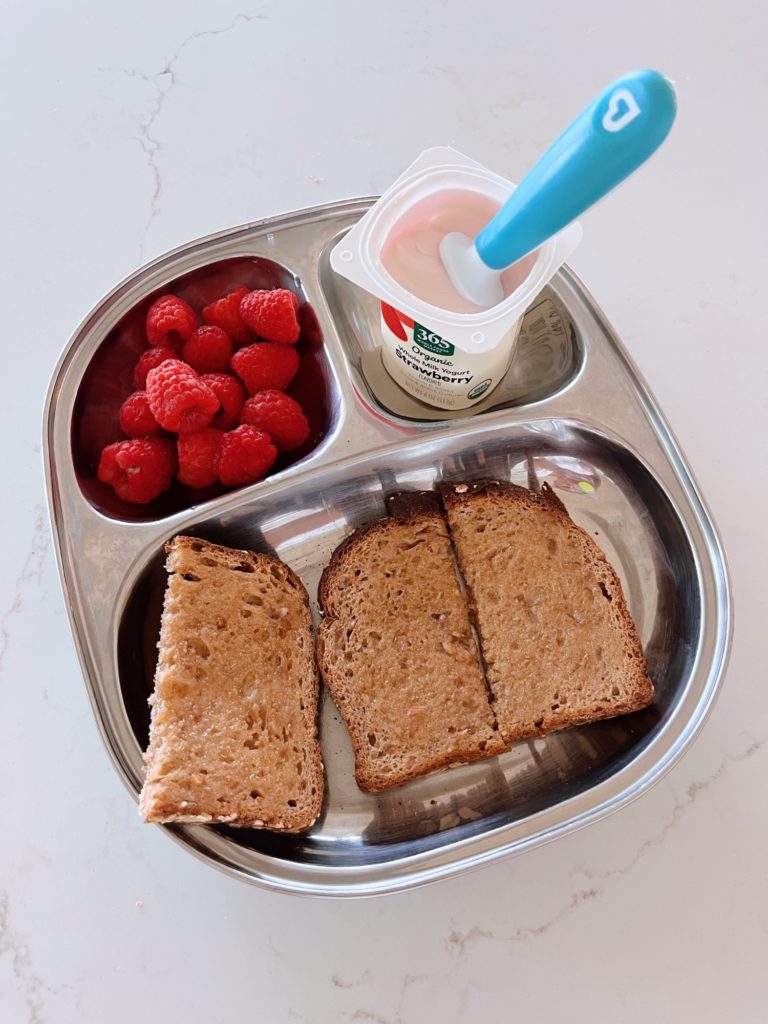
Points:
[(432, 342)]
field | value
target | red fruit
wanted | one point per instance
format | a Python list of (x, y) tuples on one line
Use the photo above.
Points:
[(393, 322), (148, 361), (231, 395), (280, 416), (225, 313), (266, 365), (244, 456), (197, 452), (140, 469), (136, 419), (179, 399), (208, 350), (272, 314), (170, 321)]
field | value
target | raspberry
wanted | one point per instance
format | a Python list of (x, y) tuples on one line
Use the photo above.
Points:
[(231, 395), (170, 321), (225, 313), (140, 469), (136, 419), (244, 456), (208, 350), (148, 361), (179, 399), (266, 365), (280, 416), (197, 452), (392, 320), (272, 314)]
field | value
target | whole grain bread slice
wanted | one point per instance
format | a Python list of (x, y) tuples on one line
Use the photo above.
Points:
[(233, 733), (559, 645), (397, 652)]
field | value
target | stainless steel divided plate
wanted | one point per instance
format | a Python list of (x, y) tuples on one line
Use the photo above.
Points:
[(572, 411)]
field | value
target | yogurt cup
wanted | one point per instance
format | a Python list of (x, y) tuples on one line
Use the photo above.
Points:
[(447, 359)]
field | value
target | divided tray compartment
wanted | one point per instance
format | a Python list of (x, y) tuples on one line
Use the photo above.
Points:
[(108, 379), (571, 411)]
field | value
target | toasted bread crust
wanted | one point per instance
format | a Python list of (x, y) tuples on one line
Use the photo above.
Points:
[(236, 697), (511, 688), (399, 695), (472, 732)]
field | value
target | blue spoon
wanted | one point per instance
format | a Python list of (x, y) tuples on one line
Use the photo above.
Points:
[(616, 133)]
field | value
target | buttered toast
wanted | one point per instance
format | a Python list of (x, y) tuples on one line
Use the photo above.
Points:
[(397, 653), (559, 645), (233, 733)]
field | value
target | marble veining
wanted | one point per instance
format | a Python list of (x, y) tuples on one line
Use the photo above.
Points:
[(30, 572), (29, 984), (162, 82), (132, 130)]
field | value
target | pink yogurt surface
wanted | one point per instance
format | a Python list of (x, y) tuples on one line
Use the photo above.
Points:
[(411, 250)]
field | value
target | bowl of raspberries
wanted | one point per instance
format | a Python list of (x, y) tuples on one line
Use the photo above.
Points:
[(210, 409)]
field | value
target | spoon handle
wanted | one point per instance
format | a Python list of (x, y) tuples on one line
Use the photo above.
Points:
[(610, 139)]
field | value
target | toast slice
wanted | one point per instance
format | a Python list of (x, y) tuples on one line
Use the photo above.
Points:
[(558, 642), (397, 652), (233, 734)]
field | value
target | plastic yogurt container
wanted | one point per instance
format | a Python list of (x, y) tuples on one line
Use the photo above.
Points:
[(447, 359)]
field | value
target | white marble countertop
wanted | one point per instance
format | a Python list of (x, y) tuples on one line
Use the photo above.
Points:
[(132, 128)]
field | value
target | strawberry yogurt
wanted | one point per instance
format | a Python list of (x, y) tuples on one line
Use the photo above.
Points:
[(436, 345), (411, 251)]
